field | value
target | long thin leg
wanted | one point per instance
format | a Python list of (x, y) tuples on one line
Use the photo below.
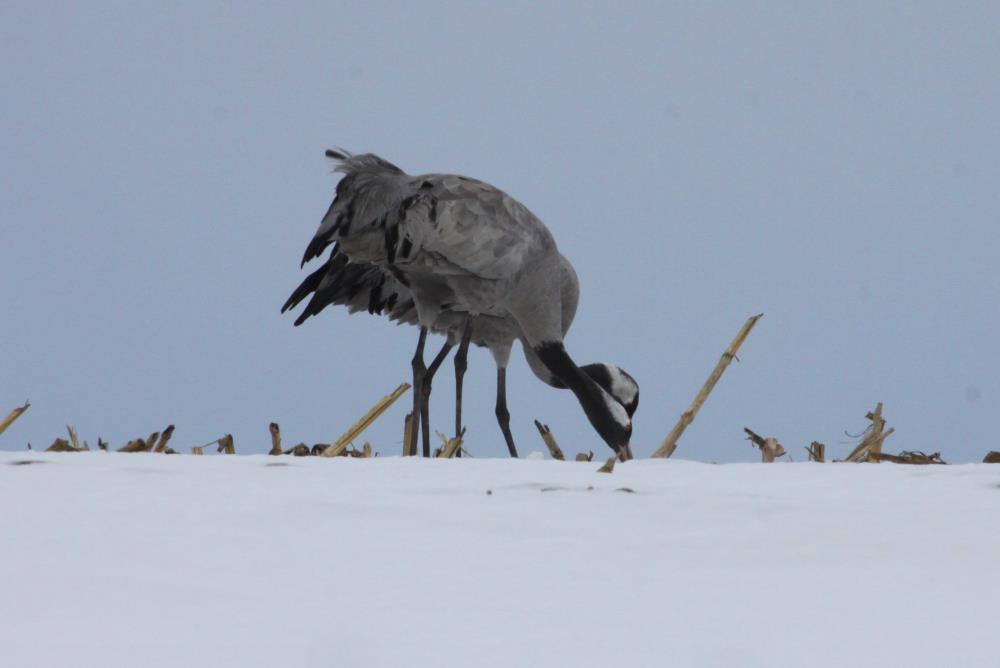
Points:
[(503, 415), (418, 380), (425, 397), (461, 364)]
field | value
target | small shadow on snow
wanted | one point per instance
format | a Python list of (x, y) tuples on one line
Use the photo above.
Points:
[(26, 462), (588, 488), (544, 487), (558, 488), (548, 487), (538, 487)]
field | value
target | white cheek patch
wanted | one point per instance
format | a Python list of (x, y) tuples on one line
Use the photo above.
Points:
[(621, 386), (616, 409)]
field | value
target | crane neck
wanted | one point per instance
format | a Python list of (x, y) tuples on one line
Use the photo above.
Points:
[(606, 415)]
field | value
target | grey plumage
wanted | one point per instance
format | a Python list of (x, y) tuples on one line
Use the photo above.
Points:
[(456, 243), (440, 251)]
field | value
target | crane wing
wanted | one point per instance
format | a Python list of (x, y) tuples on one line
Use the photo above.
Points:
[(389, 228), (458, 226), (358, 286)]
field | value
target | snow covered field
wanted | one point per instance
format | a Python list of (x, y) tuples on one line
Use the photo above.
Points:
[(152, 560)]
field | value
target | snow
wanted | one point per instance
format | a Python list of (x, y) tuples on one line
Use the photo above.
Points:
[(154, 560)]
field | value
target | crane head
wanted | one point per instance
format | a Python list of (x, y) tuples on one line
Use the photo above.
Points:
[(616, 382), (622, 389)]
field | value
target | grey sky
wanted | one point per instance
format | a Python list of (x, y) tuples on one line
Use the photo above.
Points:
[(835, 167)]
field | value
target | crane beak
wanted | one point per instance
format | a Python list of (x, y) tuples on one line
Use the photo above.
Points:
[(624, 452)]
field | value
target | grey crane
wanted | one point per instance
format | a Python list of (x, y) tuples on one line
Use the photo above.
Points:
[(459, 257), (365, 287)]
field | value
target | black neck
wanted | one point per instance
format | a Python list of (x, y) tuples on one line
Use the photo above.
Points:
[(597, 372), (587, 392)]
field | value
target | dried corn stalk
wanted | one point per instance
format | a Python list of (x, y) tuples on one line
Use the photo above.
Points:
[(13, 415), (62, 445), (871, 445), (138, 445), (300, 450), (226, 445), (907, 457), (408, 435), (74, 441), (338, 446), (817, 452), (450, 445), (769, 447), (161, 445), (275, 439), (669, 444), (609, 465), (550, 441)]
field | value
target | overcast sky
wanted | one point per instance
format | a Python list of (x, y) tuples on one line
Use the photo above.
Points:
[(835, 168)]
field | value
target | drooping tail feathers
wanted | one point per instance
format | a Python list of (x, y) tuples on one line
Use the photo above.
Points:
[(359, 287), (369, 192)]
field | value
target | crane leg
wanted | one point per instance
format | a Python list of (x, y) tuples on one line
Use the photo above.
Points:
[(418, 380), (425, 396), (461, 364), (503, 415)]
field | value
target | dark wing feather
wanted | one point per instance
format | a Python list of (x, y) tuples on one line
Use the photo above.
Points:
[(359, 287), (371, 190)]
